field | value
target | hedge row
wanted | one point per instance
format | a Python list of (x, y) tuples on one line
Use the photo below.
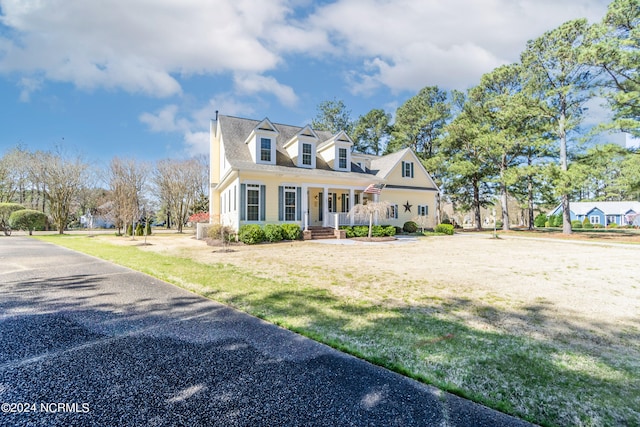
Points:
[(250, 234), (363, 230)]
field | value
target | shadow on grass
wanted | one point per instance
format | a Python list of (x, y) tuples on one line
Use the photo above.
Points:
[(542, 380)]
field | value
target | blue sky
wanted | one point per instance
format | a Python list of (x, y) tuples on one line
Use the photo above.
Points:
[(142, 78)]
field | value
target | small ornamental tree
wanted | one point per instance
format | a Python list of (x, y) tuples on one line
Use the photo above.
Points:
[(369, 210), (28, 220), (199, 217)]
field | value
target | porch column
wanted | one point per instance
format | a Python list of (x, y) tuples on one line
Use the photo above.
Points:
[(352, 204), (304, 204), (325, 206)]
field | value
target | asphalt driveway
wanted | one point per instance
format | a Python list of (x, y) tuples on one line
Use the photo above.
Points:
[(87, 343)]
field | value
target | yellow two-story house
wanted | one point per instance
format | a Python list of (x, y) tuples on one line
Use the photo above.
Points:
[(263, 172)]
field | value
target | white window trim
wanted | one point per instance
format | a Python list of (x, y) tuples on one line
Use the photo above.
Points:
[(336, 165), (272, 146), (594, 219), (301, 155), (289, 189), (251, 187)]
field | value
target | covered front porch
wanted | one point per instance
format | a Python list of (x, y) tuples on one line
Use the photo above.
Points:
[(329, 206)]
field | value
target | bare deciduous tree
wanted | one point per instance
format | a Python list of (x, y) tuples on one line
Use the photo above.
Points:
[(127, 180), (179, 182), (64, 178)]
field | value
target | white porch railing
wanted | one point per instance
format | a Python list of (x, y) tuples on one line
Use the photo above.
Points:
[(334, 220)]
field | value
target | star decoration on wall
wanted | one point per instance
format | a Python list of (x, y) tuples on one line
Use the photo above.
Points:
[(407, 207)]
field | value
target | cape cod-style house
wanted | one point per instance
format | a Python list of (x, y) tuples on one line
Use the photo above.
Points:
[(263, 172)]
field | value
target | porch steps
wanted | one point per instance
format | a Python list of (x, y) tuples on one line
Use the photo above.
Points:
[(318, 233)]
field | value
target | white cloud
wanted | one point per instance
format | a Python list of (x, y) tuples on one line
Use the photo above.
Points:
[(138, 46), (28, 86), (249, 84), (148, 46), (413, 43), (193, 124)]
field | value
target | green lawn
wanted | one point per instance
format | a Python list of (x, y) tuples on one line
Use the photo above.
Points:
[(545, 382)]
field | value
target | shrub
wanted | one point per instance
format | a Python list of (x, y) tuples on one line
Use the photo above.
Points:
[(499, 224), (273, 233), (147, 228), (250, 234), (576, 223), (586, 223), (218, 231), (389, 230), (348, 231), (6, 209), (291, 231), (612, 225), (540, 220), (129, 230), (377, 231), (360, 231), (199, 217), (598, 226), (410, 227), (139, 230), (444, 229), (27, 219), (446, 221), (556, 220)]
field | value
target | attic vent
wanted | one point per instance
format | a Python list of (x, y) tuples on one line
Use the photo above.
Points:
[(307, 134), (265, 129)]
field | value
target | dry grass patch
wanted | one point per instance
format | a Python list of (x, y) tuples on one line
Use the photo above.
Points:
[(545, 330)]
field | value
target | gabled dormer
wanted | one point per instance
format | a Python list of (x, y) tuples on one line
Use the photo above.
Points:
[(302, 148), (336, 151), (262, 143)]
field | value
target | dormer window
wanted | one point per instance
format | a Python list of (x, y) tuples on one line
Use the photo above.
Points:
[(307, 151), (265, 150), (342, 158), (262, 143), (302, 148)]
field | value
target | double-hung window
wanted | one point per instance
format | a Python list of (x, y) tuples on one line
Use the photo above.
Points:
[(407, 169), (393, 212), (265, 149), (289, 203), (253, 202), (306, 154), (423, 210), (342, 158), (594, 219)]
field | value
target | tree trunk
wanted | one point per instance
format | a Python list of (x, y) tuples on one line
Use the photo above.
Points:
[(476, 204), (505, 195), (530, 196), (566, 224)]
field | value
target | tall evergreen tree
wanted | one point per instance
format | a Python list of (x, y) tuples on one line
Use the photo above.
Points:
[(372, 131), (563, 83)]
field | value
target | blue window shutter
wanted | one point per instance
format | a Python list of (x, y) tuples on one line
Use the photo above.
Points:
[(280, 203), (299, 204), (243, 202), (403, 169), (263, 202)]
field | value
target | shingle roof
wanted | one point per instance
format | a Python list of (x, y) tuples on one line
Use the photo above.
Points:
[(381, 166), (610, 208), (235, 131)]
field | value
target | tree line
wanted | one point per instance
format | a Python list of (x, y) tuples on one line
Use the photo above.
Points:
[(520, 132), (126, 193)]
